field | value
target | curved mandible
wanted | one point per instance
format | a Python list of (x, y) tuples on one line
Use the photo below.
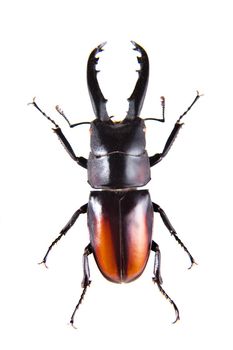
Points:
[(97, 98), (137, 98)]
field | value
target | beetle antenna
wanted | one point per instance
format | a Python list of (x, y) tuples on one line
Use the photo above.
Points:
[(162, 99), (44, 114), (60, 111)]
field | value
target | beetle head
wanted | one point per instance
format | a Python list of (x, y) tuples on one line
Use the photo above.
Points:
[(120, 137)]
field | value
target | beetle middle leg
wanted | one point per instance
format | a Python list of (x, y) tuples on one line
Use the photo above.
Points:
[(86, 279), (171, 229), (70, 223), (158, 279)]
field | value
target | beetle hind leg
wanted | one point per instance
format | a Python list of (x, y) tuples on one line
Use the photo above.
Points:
[(158, 279), (86, 280)]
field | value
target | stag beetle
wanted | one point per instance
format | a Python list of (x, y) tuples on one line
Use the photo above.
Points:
[(119, 216)]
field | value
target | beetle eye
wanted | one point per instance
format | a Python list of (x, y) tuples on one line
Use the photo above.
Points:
[(144, 129)]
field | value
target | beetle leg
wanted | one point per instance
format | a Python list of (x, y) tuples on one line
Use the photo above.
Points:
[(158, 279), (86, 270), (80, 160), (70, 223), (86, 280), (159, 156), (171, 229)]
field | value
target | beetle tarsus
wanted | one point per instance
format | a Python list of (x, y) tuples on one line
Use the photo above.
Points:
[(188, 109), (77, 306), (193, 262), (177, 314), (43, 262), (40, 110)]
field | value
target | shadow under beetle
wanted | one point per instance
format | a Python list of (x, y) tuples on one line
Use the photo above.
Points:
[(119, 216)]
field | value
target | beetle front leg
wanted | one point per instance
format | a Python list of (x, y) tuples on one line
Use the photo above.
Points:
[(158, 279), (86, 280), (70, 223), (80, 160), (159, 156), (171, 229)]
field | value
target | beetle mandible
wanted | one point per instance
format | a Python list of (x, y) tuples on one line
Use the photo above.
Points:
[(119, 216)]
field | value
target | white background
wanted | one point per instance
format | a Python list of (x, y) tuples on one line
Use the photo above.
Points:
[(44, 49)]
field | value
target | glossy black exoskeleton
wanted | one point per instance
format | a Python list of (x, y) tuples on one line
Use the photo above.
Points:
[(119, 216)]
